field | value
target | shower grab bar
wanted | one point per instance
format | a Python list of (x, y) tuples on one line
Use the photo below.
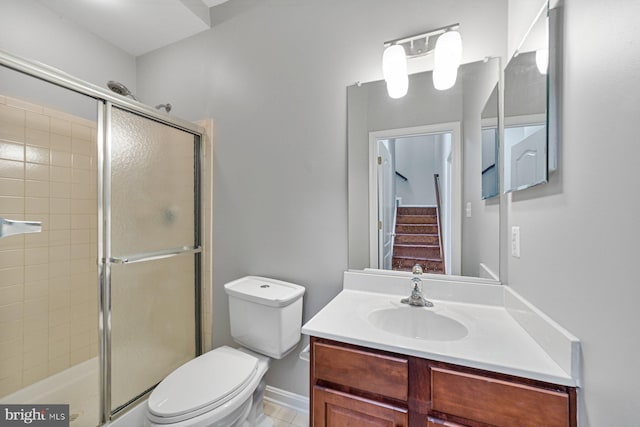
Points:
[(152, 256), (10, 227)]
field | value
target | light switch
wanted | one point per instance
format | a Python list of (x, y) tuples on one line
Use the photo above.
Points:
[(468, 209), (515, 241)]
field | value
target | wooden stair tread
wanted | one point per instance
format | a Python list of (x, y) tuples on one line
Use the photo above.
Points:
[(411, 228), (414, 245), (416, 217), (416, 210), (415, 258)]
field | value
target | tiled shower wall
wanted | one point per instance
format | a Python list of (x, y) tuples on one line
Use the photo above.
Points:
[(48, 280)]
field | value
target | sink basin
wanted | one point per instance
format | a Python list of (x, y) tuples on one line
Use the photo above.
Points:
[(417, 322)]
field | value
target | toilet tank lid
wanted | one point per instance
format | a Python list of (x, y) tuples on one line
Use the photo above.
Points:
[(265, 291)]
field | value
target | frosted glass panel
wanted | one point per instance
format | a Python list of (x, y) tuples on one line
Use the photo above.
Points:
[(152, 196), (48, 280), (152, 323)]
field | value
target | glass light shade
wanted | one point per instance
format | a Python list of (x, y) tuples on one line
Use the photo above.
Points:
[(448, 50), (394, 70), (444, 78), (542, 60), (398, 88)]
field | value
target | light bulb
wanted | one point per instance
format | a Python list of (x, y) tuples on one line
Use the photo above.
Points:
[(444, 78), (447, 57), (394, 70), (448, 50), (398, 88), (542, 60)]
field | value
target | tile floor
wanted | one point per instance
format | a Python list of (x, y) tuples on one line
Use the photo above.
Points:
[(285, 417)]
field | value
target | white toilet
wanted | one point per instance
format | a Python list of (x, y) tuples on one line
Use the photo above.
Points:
[(225, 386)]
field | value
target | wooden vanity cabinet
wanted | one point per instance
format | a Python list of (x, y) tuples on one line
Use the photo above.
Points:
[(357, 386)]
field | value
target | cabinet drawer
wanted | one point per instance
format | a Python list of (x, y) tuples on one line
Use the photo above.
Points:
[(370, 372), (497, 402)]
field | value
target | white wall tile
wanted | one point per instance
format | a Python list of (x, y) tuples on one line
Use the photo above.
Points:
[(11, 168), (37, 171), (12, 258), (36, 154), (37, 121), (37, 137), (11, 187), (11, 276)]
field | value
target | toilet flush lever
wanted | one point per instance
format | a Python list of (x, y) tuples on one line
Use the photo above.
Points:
[(10, 227)]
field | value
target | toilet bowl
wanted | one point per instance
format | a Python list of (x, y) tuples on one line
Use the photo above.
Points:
[(215, 389), (225, 386)]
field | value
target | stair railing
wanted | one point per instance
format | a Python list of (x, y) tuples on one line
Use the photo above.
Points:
[(436, 181)]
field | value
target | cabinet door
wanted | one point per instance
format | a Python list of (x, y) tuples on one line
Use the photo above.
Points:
[(332, 408)]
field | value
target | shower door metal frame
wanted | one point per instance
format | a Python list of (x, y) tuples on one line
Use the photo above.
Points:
[(106, 100), (106, 260)]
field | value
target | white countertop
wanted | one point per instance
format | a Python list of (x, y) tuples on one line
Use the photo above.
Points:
[(495, 340)]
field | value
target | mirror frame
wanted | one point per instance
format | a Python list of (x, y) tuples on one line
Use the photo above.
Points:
[(552, 13), (358, 129)]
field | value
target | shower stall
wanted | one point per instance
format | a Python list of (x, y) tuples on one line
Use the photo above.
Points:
[(104, 283)]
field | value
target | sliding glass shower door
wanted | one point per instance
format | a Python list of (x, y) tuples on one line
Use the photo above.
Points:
[(151, 252), (100, 243)]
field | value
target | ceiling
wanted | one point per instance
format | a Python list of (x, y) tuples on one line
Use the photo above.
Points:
[(138, 26)]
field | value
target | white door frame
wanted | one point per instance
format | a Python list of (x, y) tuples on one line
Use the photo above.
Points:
[(385, 250), (456, 186)]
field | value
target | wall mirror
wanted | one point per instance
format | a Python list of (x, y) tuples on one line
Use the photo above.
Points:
[(529, 137), (490, 147), (403, 154)]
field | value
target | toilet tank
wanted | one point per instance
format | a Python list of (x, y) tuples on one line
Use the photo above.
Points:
[(265, 314)]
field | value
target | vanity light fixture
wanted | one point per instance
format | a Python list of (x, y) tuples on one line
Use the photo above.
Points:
[(444, 41)]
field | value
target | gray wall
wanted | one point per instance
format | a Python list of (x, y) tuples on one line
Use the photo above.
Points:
[(580, 232), (30, 30), (274, 79), (417, 160)]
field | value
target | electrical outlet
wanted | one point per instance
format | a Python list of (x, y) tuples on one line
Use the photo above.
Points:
[(515, 241), (468, 209)]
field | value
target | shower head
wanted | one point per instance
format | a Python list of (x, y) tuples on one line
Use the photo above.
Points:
[(167, 107), (120, 89)]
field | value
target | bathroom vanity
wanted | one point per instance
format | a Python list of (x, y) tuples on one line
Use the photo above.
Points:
[(354, 385), (494, 360)]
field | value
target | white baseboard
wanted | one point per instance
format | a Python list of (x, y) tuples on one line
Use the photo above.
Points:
[(287, 399)]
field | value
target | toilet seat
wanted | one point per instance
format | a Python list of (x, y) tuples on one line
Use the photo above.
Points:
[(202, 384)]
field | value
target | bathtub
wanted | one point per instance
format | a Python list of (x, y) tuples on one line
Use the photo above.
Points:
[(78, 386)]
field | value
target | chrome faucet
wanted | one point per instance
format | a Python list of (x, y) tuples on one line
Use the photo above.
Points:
[(416, 298)]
